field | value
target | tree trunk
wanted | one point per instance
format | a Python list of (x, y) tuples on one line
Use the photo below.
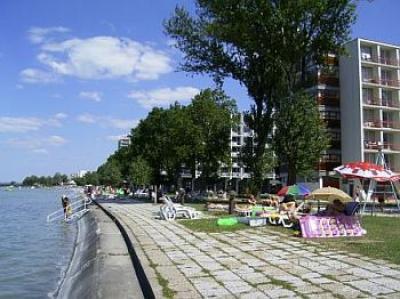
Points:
[(291, 174)]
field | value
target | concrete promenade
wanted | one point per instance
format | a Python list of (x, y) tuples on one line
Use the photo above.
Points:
[(101, 266), (254, 263)]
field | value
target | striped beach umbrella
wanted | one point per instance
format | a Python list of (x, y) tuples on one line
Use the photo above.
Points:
[(295, 190)]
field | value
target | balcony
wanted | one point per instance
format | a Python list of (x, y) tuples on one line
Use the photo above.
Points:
[(380, 59), (328, 80), (328, 162), (331, 123), (375, 145), (382, 124), (335, 144), (381, 102), (328, 100), (385, 82)]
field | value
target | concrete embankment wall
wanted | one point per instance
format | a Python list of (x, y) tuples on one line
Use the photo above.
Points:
[(101, 266)]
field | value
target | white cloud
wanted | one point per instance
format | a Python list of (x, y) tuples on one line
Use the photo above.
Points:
[(37, 76), (19, 124), (42, 151), (60, 115), (38, 35), (87, 118), (163, 96), (91, 95), (106, 121), (115, 137), (104, 57), (37, 145), (27, 124), (55, 140)]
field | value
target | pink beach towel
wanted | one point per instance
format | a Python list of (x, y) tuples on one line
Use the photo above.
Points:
[(330, 227)]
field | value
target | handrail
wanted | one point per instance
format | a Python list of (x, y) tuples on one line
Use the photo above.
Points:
[(76, 206)]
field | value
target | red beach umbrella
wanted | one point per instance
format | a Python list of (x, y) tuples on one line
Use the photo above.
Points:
[(367, 170)]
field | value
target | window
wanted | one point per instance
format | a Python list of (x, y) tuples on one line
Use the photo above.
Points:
[(386, 77), (330, 115), (366, 74), (385, 56), (366, 53), (368, 96), (386, 97)]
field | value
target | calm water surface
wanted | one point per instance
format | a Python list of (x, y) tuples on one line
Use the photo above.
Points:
[(33, 253)]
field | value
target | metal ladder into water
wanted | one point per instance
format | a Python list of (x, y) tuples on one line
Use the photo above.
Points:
[(78, 209)]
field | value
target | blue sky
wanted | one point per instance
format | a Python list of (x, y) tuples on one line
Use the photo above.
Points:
[(75, 75)]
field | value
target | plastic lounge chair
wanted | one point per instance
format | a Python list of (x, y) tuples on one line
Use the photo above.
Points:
[(170, 210), (282, 218)]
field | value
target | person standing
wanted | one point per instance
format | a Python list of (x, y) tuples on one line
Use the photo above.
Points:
[(65, 205)]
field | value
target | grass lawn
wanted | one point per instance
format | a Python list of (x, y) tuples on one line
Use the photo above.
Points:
[(209, 225), (382, 240)]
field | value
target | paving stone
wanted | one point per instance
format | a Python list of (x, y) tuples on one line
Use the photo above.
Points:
[(253, 295), (186, 295), (321, 280), (237, 287), (346, 278), (308, 289), (310, 275), (342, 290), (390, 283), (370, 287), (225, 275), (280, 293), (361, 272)]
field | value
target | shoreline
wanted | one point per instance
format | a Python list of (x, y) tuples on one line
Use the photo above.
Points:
[(100, 266)]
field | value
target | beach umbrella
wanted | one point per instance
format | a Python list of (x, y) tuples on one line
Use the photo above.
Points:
[(294, 190), (330, 194), (366, 170)]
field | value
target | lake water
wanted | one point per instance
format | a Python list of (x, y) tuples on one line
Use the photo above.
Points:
[(33, 253)]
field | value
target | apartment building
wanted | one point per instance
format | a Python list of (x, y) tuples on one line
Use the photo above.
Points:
[(323, 83), (124, 142), (235, 173), (370, 106)]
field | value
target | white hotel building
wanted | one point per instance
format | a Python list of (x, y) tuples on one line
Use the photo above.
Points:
[(370, 102)]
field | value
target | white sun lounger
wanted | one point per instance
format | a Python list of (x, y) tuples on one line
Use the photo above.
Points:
[(170, 210)]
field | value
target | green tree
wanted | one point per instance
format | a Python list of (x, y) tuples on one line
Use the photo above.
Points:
[(265, 45), (109, 173), (300, 135), (139, 172), (213, 116)]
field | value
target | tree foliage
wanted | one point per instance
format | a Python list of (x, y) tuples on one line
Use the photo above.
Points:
[(265, 45), (186, 136), (139, 172), (55, 180), (300, 136)]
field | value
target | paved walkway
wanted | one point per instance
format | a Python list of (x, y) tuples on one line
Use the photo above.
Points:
[(254, 263)]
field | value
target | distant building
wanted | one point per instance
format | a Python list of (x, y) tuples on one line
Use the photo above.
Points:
[(79, 174), (124, 141)]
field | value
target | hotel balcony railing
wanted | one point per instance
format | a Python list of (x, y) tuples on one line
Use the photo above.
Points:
[(374, 145), (382, 124), (331, 123), (328, 80), (327, 165), (381, 60), (380, 102), (328, 100), (393, 83)]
